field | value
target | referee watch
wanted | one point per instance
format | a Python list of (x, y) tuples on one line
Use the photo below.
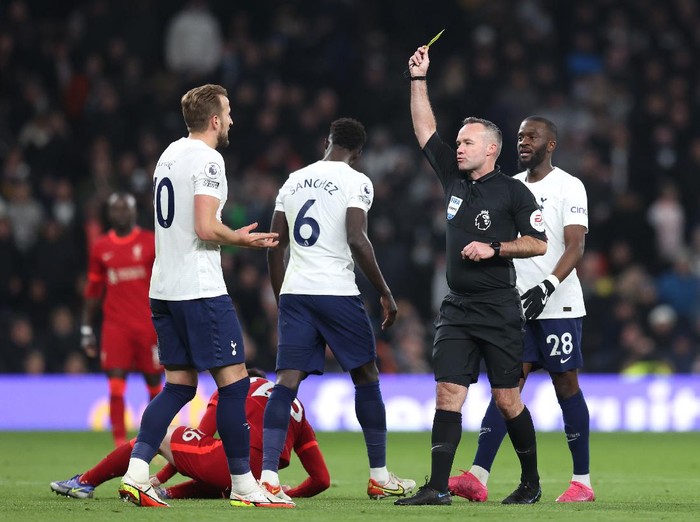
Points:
[(496, 245)]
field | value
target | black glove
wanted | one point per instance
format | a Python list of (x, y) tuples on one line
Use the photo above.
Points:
[(536, 298)]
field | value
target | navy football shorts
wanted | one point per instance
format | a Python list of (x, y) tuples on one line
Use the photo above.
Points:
[(199, 333), (307, 323), (554, 344)]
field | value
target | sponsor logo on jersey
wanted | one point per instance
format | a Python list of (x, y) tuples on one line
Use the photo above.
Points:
[(483, 220), (127, 273), (166, 164), (579, 210), (211, 184), (537, 220), (212, 170), (453, 206), (137, 251)]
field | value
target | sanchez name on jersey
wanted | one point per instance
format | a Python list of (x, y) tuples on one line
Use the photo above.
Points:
[(315, 200)]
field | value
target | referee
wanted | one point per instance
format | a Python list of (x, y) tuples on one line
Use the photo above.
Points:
[(491, 219)]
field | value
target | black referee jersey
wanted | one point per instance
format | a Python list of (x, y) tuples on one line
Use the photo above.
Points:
[(495, 207)]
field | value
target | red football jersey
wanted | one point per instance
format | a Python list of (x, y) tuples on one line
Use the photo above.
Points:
[(119, 268), (209, 465), (298, 434)]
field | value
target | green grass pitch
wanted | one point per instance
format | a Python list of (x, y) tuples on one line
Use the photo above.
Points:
[(636, 476)]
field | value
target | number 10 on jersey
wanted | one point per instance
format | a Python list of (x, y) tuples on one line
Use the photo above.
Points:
[(165, 184)]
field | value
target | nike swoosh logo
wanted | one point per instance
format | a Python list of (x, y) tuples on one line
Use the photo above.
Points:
[(562, 361), (436, 447), (399, 490), (544, 300)]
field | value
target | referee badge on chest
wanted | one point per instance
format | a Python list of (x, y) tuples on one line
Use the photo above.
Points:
[(453, 206), (483, 220)]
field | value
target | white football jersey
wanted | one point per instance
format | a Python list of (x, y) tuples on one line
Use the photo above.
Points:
[(562, 199), (315, 200), (186, 267)]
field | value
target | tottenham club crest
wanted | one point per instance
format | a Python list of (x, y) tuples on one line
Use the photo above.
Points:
[(483, 220)]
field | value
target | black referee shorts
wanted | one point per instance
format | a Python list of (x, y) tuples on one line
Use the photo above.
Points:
[(468, 328)]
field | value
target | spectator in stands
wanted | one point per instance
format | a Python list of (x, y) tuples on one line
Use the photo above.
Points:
[(193, 42)]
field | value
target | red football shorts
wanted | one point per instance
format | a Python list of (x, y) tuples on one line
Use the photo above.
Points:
[(129, 349)]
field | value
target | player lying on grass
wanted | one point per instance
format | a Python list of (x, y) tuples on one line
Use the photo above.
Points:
[(196, 453)]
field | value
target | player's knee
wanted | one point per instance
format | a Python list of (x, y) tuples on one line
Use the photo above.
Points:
[(508, 402), (324, 481), (565, 384), (450, 396), (290, 379), (365, 374), (117, 387), (183, 392)]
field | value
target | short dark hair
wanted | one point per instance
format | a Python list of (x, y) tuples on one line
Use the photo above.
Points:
[(490, 127), (116, 196), (348, 133), (551, 127), (200, 104)]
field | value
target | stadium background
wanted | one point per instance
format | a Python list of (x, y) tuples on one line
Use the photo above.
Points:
[(89, 96)]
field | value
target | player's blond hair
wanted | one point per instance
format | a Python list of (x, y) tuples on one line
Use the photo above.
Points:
[(200, 104)]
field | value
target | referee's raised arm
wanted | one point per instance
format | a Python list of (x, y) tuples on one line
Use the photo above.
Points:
[(424, 124)]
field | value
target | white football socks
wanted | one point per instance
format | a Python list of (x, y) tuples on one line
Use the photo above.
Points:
[(381, 475), (480, 473)]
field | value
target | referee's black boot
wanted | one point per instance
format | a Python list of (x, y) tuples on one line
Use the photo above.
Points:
[(525, 493), (426, 496)]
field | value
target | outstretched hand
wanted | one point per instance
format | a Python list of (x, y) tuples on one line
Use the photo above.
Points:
[(250, 239)]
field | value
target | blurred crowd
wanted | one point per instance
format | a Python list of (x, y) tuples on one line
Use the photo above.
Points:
[(89, 97)]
